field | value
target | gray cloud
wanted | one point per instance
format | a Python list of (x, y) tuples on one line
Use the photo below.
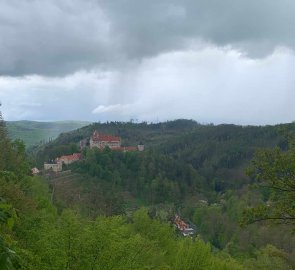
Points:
[(55, 38), (148, 27), (209, 85), (52, 37), (100, 60)]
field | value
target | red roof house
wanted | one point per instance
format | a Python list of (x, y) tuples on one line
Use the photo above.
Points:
[(70, 158), (102, 140)]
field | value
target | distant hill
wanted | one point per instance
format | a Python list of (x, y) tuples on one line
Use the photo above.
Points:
[(152, 134), (219, 153), (33, 132)]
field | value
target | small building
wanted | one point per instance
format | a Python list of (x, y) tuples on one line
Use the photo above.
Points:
[(102, 140), (53, 166), (35, 171), (183, 227), (69, 158), (140, 147)]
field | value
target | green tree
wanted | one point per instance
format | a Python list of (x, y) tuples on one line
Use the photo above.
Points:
[(269, 258), (7, 218), (274, 171)]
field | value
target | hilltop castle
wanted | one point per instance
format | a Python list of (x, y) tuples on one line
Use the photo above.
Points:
[(113, 142), (101, 141), (97, 140)]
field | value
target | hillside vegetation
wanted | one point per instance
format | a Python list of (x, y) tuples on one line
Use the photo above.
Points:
[(114, 210), (34, 235), (216, 155), (197, 171), (35, 133)]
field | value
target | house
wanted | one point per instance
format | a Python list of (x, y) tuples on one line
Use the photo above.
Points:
[(102, 140), (183, 227), (54, 166), (35, 171), (69, 159)]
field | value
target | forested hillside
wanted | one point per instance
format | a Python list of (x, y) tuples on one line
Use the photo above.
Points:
[(216, 156), (34, 235), (114, 210)]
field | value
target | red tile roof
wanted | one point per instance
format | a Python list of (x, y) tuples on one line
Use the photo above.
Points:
[(104, 137), (75, 156), (180, 223)]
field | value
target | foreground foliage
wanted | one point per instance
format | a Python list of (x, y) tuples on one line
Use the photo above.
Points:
[(274, 171)]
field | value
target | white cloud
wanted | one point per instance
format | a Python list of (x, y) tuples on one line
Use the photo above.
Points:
[(208, 84), (116, 108)]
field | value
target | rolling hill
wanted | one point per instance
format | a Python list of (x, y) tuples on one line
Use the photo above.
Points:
[(33, 132)]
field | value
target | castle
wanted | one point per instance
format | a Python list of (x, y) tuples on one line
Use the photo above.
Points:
[(113, 142), (97, 140), (56, 165), (101, 141)]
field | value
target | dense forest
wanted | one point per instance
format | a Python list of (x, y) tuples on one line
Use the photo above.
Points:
[(114, 210)]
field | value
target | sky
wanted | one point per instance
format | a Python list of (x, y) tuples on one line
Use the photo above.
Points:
[(229, 61)]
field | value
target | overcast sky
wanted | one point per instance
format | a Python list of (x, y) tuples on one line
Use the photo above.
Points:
[(229, 61)]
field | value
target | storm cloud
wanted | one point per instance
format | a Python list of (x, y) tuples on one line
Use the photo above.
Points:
[(209, 85), (54, 38), (100, 60)]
